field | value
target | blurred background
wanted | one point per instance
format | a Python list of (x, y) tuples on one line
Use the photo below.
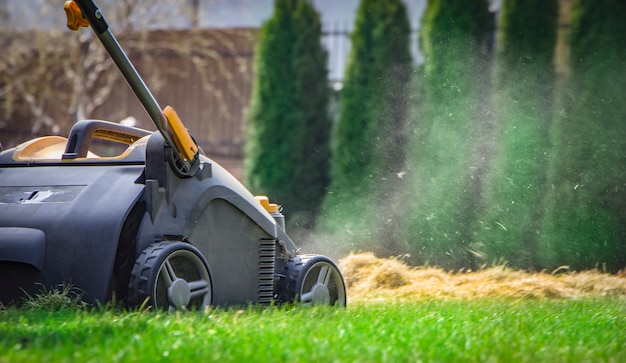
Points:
[(455, 133), (202, 49)]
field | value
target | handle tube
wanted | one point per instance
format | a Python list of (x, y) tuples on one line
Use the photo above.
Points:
[(136, 83), (93, 15), (100, 26)]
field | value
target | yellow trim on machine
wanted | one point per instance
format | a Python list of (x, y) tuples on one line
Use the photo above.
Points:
[(184, 143), (75, 18), (51, 148), (265, 203), (41, 148)]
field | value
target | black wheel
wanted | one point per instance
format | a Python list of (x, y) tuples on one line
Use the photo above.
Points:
[(171, 276), (312, 280)]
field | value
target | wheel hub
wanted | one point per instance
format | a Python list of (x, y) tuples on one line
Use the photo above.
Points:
[(321, 295), (179, 294)]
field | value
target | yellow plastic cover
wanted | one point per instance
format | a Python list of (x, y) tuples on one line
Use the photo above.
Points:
[(184, 143), (75, 18)]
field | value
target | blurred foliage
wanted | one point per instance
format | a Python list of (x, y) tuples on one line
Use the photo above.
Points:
[(444, 166), (287, 152), (514, 184), (369, 137), (586, 204)]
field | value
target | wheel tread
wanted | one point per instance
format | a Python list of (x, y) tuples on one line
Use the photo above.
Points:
[(140, 286)]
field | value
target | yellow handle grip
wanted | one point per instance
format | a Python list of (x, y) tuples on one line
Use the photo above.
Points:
[(184, 143), (75, 18)]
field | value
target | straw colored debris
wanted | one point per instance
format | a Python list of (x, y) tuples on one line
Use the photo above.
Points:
[(370, 278)]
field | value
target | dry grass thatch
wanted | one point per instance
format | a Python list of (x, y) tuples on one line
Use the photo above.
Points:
[(370, 278)]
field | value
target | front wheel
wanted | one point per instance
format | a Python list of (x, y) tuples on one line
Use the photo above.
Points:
[(312, 280), (171, 276)]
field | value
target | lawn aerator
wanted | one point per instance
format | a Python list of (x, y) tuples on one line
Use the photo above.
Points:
[(161, 223)]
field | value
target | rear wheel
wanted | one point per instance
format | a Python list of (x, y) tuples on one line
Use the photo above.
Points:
[(171, 276), (312, 280)]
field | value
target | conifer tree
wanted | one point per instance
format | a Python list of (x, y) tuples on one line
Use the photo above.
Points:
[(287, 147), (368, 140), (586, 208), (443, 167), (515, 183)]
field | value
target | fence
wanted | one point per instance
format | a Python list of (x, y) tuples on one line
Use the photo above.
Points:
[(206, 75)]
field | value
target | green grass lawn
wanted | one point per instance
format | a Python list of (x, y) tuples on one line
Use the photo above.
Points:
[(428, 330)]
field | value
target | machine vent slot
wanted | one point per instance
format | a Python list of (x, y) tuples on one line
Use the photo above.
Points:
[(267, 251)]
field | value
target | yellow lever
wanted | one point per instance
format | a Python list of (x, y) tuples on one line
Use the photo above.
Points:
[(75, 18), (184, 143)]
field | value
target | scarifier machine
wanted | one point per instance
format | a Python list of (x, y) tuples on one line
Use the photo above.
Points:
[(160, 224)]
